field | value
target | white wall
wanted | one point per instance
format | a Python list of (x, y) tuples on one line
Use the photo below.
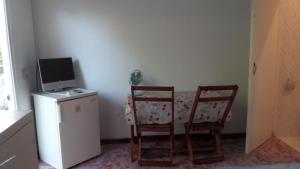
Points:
[(174, 42), (20, 27)]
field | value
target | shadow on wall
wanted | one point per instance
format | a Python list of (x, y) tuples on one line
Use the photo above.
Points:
[(112, 114), (78, 74), (109, 109)]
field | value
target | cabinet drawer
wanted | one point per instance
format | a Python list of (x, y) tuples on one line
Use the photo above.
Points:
[(19, 151), (10, 163), (8, 151)]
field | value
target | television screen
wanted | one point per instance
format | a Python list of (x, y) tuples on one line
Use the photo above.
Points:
[(56, 70)]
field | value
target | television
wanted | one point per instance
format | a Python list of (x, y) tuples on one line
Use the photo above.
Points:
[(56, 74)]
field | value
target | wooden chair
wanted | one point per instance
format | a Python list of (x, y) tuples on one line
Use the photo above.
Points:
[(158, 128), (214, 128)]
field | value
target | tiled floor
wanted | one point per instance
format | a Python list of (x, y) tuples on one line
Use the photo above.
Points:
[(117, 156)]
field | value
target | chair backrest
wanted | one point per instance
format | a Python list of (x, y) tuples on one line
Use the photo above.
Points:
[(211, 94), (152, 98)]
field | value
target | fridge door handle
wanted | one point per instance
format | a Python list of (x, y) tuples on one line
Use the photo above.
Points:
[(59, 113)]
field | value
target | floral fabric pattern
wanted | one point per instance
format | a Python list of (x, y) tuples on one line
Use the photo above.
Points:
[(160, 113)]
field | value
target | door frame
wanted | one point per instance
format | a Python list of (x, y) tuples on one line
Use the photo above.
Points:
[(250, 79)]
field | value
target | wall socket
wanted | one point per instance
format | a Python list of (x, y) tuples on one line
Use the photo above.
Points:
[(24, 73)]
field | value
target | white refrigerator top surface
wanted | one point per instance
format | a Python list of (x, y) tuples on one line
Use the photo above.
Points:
[(66, 95)]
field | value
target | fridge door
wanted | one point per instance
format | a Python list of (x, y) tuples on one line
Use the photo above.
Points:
[(79, 130)]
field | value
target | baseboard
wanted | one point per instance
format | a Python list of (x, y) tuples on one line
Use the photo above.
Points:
[(178, 136)]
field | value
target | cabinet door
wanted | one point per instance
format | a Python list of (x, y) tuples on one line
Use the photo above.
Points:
[(263, 79), (79, 130)]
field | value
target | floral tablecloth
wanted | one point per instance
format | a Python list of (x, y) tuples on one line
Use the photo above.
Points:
[(160, 113)]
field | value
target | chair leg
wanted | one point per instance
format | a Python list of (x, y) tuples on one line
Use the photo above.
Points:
[(212, 134), (133, 144), (219, 152), (219, 145), (218, 148), (139, 145), (189, 145), (149, 162), (171, 152)]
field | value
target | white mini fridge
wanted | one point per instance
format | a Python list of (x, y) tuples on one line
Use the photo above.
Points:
[(68, 127)]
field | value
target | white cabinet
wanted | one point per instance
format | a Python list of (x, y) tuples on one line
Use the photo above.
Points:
[(67, 127), (18, 151)]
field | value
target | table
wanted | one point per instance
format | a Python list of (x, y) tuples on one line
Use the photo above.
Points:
[(159, 113)]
